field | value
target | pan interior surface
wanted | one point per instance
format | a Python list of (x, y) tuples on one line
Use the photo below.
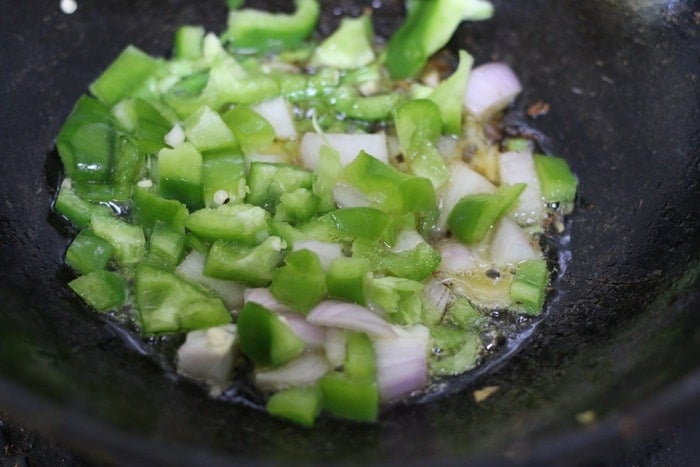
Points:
[(621, 337)]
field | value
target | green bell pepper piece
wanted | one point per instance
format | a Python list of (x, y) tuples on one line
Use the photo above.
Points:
[(124, 76), (345, 279), (297, 206), (144, 122), (88, 252), (75, 209), (301, 405), (258, 31), (301, 282), (416, 264), (449, 95), (86, 142), (557, 182), (188, 43), (527, 291), (428, 26), (474, 216), (234, 222), (349, 47), (350, 398), (268, 181), (250, 128), (360, 359), (180, 175), (418, 125), (223, 170), (254, 266), (166, 247), (206, 130), (128, 240), (150, 208), (102, 290), (265, 337), (399, 298), (168, 303)]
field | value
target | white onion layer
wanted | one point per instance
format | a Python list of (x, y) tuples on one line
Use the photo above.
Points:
[(456, 258), (463, 182), (343, 315), (491, 87), (276, 111), (402, 362), (348, 146), (335, 346), (326, 251), (175, 137), (303, 371), (519, 167), (192, 268), (511, 244), (313, 336)]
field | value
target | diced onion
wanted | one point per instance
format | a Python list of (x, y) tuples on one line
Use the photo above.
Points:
[(437, 295), (175, 137), (511, 244), (347, 196), (348, 146), (491, 87), (207, 354), (313, 336), (192, 268), (402, 362), (463, 182), (303, 371), (276, 111), (407, 240), (350, 316), (335, 346), (456, 258), (326, 251), (518, 167)]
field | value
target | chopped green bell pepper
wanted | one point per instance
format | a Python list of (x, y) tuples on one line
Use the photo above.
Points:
[(345, 279), (180, 175), (254, 266), (150, 208), (449, 95), (301, 405), (350, 398), (102, 290), (124, 76), (265, 337), (399, 298), (529, 286), (234, 222), (429, 25), (301, 282), (258, 31), (474, 216), (128, 240), (88, 252), (557, 182), (168, 303)]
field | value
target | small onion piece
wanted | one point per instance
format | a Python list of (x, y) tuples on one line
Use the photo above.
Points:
[(511, 244), (192, 268), (175, 137), (491, 87), (437, 295), (347, 196), (335, 346), (519, 167), (402, 362), (303, 371), (277, 113), (313, 336), (456, 258), (325, 251), (464, 181), (348, 146), (407, 240), (349, 316)]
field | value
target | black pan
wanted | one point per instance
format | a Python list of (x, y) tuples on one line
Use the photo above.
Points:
[(620, 340)]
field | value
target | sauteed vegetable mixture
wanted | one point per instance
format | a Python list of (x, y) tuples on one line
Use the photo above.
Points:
[(341, 219)]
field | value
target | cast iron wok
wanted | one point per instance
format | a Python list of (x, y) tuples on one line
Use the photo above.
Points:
[(621, 336)]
